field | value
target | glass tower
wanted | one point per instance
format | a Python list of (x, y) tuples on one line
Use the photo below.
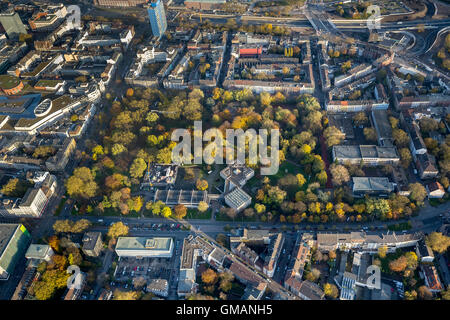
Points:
[(157, 17)]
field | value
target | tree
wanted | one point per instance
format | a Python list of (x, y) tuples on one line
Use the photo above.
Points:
[(179, 211), (360, 119), (332, 254), (116, 181), (438, 242), (446, 294), (82, 183), (209, 276), (58, 262), (265, 99), (382, 252), (135, 204), (405, 157), (424, 293), (164, 155), (43, 290), (226, 279), (276, 195), (411, 295), (260, 208), (314, 275), (418, 192), (370, 134), (139, 282), (339, 174), (117, 229), (346, 66), (193, 110), (53, 242), (202, 206), (156, 207), (44, 151), (14, 188), (98, 149), (118, 148), (333, 136), (398, 264), (331, 290), (249, 212), (137, 168), (394, 122), (201, 184), (152, 117), (166, 212), (411, 260), (81, 226), (428, 124), (62, 226), (322, 177), (130, 92), (401, 138), (313, 121), (125, 295)]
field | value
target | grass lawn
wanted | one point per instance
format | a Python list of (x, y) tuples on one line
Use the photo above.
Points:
[(109, 212), (389, 257), (195, 214), (437, 202), (60, 206), (287, 168), (400, 226), (224, 217)]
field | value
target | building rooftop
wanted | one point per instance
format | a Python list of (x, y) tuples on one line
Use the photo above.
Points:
[(143, 243), (382, 125), (237, 197), (37, 251), (311, 290), (364, 151), (372, 184), (424, 250), (160, 174), (8, 82), (6, 232), (90, 239)]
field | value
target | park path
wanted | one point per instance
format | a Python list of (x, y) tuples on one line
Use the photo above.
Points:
[(324, 152)]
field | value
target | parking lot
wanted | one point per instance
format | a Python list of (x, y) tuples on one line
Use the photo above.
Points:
[(130, 268), (145, 267), (155, 227)]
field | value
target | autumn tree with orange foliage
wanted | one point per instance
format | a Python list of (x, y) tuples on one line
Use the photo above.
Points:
[(398, 265), (209, 276)]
